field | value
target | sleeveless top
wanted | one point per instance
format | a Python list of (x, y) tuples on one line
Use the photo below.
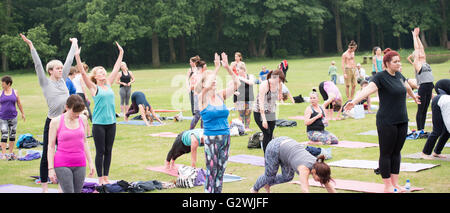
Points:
[(270, 104), (70, 150), (379, 64), (425, 74), (294, 154), (125, 78), (215, 120), (104, 109), (8, 106), (317, 125), (245, 92)]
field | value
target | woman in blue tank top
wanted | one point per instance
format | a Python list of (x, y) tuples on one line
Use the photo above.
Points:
[(377, 61), (214, 113), (104, 114)]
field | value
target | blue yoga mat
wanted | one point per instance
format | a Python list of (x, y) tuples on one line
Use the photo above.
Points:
[(139, 122), (231, 178)]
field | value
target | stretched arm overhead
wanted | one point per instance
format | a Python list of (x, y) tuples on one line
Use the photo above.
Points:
[(69, 59), (89, 84), (113, 74), (40, 72), (229, 91), (419, 50)]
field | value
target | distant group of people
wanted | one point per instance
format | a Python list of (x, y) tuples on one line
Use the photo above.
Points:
[(66, 126)]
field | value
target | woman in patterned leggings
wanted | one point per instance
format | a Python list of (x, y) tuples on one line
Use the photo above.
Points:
[(214, 113)]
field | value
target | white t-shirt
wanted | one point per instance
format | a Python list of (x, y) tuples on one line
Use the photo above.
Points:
[(444, 104), (362, 73), (77, 83)]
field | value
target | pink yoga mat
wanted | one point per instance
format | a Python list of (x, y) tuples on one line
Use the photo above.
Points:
[(172, 172), (350, 144), (165, 134), (353, 185), (299, 117)]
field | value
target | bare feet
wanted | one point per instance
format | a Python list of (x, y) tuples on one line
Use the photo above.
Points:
[(439, 155), (267, 188), (426, 157), (253, 191)]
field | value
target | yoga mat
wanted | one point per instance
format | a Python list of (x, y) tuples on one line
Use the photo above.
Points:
[(247, 159), (11, 188), (164, 134), (370, 132), (353, 185), (350, 144), (300, 117), (167, 110), (415, 124), (367, 164), (447, 145), (139, 122), (419, 156), (174, 172)]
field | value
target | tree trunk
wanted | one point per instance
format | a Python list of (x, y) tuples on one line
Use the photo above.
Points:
[(444, 37), (358, 32), (252, 48), (399, 41), (182, 48), (173, 55), (321, 41), (262, 45), (5, 65), (337, 20), (423, 39), (372, 35), (155, 50)]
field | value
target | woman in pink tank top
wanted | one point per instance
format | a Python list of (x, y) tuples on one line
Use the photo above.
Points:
[(68, 164)]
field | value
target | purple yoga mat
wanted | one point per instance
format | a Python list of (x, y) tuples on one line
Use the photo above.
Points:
[(350, 144), (11, 188), (247, 159)]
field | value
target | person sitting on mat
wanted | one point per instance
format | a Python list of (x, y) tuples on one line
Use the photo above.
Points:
[(140, 104), (293, 158), (315, 122), (186, 142)]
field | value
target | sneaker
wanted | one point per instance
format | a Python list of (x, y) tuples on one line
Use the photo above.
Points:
[(12, 156)]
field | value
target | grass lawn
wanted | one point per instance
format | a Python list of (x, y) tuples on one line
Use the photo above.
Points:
[(134, 149)]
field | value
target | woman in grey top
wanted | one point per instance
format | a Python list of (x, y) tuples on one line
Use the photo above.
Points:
[(424, 78), (55, 92), (293, 158)]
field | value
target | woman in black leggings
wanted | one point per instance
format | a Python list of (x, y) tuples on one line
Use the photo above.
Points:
[(265, 107), (392, 117)]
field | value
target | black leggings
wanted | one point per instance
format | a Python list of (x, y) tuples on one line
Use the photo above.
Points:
[(104, 139), (324, 95), (425, 91), (391, 139), (86, 104), (439, 130), (43, 169), (267, 133), (178, 148)]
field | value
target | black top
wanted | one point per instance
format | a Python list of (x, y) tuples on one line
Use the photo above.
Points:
[(136, 99), (245, 92), (317, 125), (125, 78), (392, 93), (442, 86)]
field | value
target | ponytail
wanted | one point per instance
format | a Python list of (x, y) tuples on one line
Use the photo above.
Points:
[(322, 169)]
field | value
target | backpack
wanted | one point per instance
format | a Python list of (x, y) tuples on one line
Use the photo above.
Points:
[(186, 177), (27, 141), (299, 99), (254, 142)]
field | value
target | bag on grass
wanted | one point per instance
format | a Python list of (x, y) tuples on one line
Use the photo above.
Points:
[(254, 142)]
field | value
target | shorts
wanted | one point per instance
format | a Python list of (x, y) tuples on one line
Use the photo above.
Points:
[(351, 78)]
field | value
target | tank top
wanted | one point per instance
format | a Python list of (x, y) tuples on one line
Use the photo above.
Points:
[(125, 78), (215, 120), (317, 125), (8, 106), (295, 154), (425, 74), (70, 151), (270, 104), (104, 109), (245, 92), (379, 64)]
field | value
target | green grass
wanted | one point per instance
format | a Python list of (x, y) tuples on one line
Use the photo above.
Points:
[(134, 150)]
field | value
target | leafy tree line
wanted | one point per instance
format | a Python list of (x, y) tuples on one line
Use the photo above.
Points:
[(171, 31)]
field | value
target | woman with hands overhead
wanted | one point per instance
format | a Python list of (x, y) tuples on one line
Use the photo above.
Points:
[(55, 92), (391, 118), (215, 114), (104, 115)]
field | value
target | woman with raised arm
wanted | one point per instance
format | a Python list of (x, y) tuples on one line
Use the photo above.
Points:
[(55, 92), (424, 78), (125, 78), (104, 115), (391, 118), (215, 114)]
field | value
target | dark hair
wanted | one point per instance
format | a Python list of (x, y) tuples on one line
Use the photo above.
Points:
[(337, 106), (375, 50), (76, 103), (200, 64), (277, 72), (364, 82), (195, 59), (7, 79), (323, 171), (352, 44), (388, 55), (73, 70)]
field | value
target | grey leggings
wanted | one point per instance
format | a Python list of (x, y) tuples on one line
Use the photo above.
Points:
[(125, 94), (71, 179), (8, 128)]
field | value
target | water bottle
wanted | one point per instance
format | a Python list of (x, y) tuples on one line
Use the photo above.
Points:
[(395, 190), (408, 186)]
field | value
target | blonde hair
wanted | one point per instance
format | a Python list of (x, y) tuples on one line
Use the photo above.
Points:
[(95, 71), (239, 54), (52, 64), (241, 66)]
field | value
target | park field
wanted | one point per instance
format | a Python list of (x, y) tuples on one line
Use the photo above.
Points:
[(134, 149)]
